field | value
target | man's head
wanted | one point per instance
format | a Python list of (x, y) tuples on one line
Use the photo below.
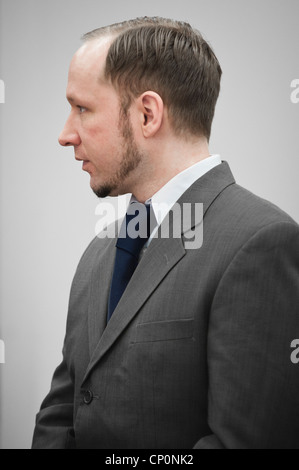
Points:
[(171, 58), (131, 86)]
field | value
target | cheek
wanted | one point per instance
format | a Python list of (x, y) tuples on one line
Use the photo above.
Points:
[(91, 130), (102, 136), (102, 144)]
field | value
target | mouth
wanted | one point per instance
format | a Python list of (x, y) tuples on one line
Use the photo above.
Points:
[(84, 164)]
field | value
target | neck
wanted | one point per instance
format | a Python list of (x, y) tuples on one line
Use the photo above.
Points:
[(165, 163)]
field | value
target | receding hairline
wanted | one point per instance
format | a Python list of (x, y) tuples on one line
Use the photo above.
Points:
[(93, 45), (106, 38), (114, 31)]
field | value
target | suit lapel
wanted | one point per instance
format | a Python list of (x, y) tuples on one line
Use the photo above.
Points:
[(161, 256), (154, 266)]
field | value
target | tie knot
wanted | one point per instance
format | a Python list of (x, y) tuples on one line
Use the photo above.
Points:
[(136, 228)]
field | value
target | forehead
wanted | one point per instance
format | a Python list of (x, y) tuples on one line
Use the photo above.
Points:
[(87, 68)]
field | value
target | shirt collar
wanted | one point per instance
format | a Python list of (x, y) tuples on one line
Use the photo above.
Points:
[(163, 200)]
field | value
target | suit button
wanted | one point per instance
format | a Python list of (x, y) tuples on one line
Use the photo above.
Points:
[(88, 397)]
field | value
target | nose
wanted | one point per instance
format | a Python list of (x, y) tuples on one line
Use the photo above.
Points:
[(69, 136)]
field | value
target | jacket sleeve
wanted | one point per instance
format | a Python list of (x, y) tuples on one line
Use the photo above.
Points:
[(253, 383), (54, 422)]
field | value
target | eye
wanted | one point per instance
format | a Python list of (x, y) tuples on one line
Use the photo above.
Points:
[(81, 109)]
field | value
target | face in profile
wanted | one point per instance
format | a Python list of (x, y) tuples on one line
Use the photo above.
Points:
[(98, 128)]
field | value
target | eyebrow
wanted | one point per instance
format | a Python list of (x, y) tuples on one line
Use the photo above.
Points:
[(78, 101), (70, 99), (73, 100)]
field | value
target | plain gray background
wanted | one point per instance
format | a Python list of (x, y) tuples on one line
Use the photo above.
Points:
[(47, 208)]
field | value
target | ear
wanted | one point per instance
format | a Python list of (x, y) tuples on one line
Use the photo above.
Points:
[(151, 111)]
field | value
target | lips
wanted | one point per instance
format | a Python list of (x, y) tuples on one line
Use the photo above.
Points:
[(85, 163)]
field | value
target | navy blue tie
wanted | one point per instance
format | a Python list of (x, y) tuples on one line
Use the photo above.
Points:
[(132, 238)]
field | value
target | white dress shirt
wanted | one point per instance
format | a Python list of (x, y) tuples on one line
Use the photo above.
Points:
[(169, 194)]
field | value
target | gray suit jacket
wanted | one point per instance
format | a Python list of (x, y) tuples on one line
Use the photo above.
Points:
[(197, 352)]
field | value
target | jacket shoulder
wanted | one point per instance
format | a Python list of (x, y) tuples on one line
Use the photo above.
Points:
[(243, 208)]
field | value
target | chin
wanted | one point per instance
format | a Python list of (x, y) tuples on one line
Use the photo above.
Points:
[(102, 190)]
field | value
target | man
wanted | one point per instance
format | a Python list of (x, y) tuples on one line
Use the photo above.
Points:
[(193, 347)]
